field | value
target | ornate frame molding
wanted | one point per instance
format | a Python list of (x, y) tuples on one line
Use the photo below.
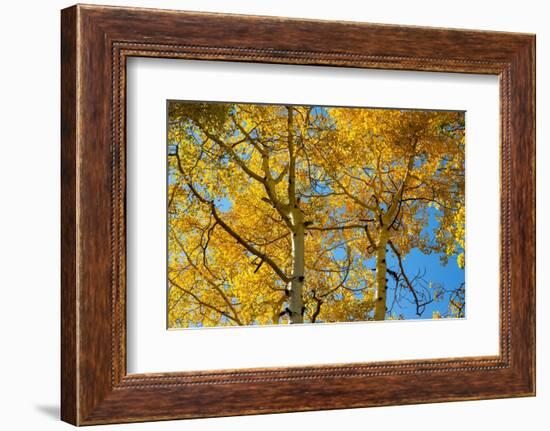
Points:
[(96, 41)]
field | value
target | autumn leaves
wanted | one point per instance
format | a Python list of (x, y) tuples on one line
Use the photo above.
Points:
[(290, 213)]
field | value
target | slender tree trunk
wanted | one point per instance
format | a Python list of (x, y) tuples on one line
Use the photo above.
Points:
[(381, 270), (296, 285), (296, 301), (381, 265)]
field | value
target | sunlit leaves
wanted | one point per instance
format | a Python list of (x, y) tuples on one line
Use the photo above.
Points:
[(359, 177)]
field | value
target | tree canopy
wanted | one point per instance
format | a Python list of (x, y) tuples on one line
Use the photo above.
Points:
[(293, 214)]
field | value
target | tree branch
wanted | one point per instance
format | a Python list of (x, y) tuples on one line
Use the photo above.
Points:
[(237, 237), (201, 302), (419, 305)]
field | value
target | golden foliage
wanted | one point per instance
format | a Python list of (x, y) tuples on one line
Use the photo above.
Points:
[(277, 212)]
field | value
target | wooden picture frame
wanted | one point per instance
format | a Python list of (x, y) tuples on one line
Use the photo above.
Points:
[(95, 43)]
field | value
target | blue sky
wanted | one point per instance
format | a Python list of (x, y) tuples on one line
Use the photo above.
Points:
[(449, 276)]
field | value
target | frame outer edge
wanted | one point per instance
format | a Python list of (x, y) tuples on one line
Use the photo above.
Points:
[(523, 216), (532, 82), (533, 54), (69, 211), (529, 61)]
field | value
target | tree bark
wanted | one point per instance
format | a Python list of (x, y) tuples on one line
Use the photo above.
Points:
[(297, 230), (381, 270), (296, 288)]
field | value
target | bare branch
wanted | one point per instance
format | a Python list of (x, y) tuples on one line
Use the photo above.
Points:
[(237, 237), (202, 303), (333, 228), (419, 304)]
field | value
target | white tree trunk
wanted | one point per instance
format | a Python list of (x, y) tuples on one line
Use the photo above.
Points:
[(381, 271), (296, 301), (296, 285)]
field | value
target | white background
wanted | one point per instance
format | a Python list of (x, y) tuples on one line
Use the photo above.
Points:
[(29, 220), (151, 348)]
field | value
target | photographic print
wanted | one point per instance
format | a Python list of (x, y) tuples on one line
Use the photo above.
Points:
[(291, 214)]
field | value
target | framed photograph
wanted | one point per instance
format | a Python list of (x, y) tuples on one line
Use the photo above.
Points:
[(266, 215)]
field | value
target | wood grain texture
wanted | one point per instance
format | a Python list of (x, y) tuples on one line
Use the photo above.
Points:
[(96, 41), (69, 397)]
